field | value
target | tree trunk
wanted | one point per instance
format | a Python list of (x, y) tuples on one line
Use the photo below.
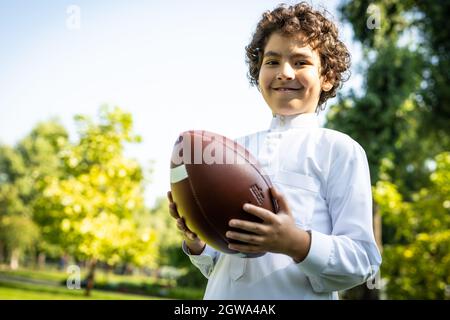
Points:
[(91, 277), (41, 260), (2, 252), (377, 227), (15, 257)]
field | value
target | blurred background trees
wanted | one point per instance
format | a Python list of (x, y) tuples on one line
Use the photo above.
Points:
[(23, 173), (90, 211), (82, 199), (417, 258), (401, 118)]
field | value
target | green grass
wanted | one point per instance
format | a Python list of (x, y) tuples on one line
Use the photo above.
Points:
[(48, 274), (60, 276), (29, 291), (50, 284)]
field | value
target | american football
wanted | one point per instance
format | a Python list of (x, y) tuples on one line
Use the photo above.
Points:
[(211, 177)]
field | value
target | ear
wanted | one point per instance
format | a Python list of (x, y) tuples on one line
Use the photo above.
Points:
[(327, 85), (326, 82)]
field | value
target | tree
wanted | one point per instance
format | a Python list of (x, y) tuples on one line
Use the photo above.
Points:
[(11, 204), (416, 265), (90, 210), (401, 115), (160, 219), (384, 120), (425, 28), (40, 151), (18, 233), (22, 179)]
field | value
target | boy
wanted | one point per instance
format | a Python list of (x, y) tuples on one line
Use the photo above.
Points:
[(321, 240)]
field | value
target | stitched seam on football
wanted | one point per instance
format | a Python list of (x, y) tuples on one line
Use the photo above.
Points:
[(262, 174)]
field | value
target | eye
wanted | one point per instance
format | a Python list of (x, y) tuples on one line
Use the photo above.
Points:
[(301, 63), (271, 62)]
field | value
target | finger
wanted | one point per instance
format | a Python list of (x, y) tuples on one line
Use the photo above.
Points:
[(261, 213), (181, 226), (173, 210), (244, 237), (254, 227), (245, 248), (191, 235), (183, 223), (281, 200), (184, 226)]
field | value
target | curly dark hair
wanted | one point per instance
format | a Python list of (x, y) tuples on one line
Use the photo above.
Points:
[(321, 34)]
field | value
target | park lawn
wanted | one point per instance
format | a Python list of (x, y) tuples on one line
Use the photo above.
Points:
[(31, 291), (48, 274), (56, 275), (49, 283)]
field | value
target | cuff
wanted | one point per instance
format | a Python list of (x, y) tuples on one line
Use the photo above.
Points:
[(207, 251), (318, 255)]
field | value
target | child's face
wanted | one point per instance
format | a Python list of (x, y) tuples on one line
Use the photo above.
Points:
[(289, 78)]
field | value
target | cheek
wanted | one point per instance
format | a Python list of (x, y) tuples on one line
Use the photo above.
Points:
[(265, 80), (309, 77)]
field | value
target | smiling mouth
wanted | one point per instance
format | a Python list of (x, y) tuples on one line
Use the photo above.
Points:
[(285, 89)]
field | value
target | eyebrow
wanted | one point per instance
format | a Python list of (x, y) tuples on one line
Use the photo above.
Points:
[(295, 55)]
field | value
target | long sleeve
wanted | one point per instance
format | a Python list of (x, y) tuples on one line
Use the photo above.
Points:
[(205, 261), (324, 175), (349, 256)]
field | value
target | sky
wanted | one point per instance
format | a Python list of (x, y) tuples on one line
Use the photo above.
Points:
[(174, 65)]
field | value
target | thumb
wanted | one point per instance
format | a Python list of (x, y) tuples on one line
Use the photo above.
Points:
[(281, 200), (169, 196)]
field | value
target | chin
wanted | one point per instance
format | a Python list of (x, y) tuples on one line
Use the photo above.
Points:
[(292, 110), (288, 112)]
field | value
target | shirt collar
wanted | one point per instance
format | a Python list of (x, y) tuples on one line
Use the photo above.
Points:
[(303, 120)]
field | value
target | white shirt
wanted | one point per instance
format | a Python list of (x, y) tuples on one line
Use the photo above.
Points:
[(324, 175)]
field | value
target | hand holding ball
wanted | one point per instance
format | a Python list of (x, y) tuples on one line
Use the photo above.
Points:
[(211, 179)]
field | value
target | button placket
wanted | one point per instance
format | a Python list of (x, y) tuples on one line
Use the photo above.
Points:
[(273, 140)]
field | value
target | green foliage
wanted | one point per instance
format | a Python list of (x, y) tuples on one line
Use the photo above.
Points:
[(85, 199), (161, 220), (401, 119), (23, 172), (425, 26), (12, 165), (393, 21), (385, 119), (417, 261), (170, 252), (18, 232), (90, 210)]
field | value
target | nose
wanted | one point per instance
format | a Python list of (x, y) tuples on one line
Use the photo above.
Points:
[(286, 72)]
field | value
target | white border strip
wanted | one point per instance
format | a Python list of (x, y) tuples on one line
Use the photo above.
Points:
[(178, 173)]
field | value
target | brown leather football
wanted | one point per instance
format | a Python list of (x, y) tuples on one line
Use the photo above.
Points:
[(211, 179)]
